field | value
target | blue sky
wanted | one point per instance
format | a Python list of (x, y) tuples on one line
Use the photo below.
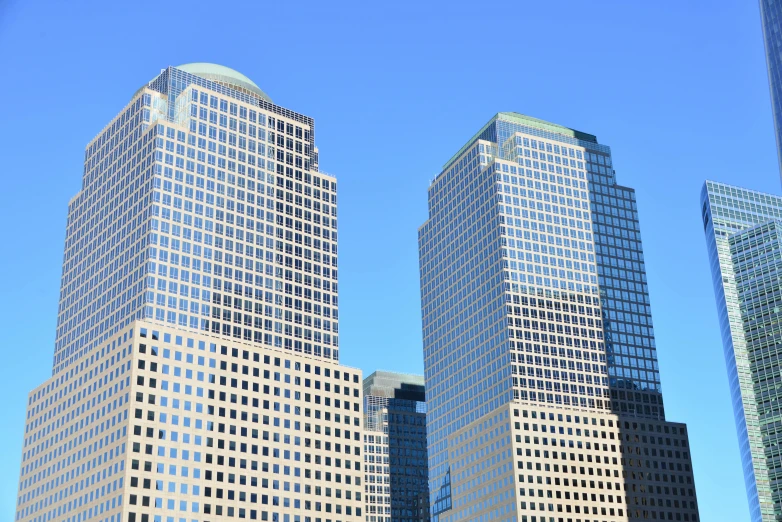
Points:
[(677, 89)]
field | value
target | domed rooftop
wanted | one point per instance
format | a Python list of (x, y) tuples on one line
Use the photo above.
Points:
[(224, 75)]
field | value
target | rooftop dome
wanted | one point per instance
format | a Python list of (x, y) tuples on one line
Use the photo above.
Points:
[(225, 76)]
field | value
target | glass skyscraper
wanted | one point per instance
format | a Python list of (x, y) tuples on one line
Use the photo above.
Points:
[(771, 18), (395, 464), (543, 392), (195, 373), (742, 230)]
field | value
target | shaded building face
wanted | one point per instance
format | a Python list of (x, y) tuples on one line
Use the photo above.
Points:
[(395, 440), (538, 336)]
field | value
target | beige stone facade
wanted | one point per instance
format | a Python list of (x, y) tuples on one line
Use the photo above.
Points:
[(172, 423), (544, 464)]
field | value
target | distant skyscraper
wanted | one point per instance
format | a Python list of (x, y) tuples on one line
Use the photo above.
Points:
[(196, 372), (771, 18), (395, 464), (745, 252), (543, 394)]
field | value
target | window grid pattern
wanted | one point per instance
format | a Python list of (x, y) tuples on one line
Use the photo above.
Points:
[(463, 309), (630, 347), (395, 463), (217, 222), (75, 444), (732, 217), (106, 237), (771, 19)]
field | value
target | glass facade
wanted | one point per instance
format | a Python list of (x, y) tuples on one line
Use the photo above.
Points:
[(771, 18), (742, 237), (631, 354), (395, 464), (200, 207), (535, 308)]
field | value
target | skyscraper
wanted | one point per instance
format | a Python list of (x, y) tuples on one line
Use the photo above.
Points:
[(742, 230), (395, 464), (771, 19), (196, 373), (543, 395)]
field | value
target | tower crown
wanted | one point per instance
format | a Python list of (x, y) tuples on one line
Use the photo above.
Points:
[(224, 75)]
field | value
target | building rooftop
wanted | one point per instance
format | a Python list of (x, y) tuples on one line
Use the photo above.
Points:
[(395, 385), (224, 75), (528, 121)]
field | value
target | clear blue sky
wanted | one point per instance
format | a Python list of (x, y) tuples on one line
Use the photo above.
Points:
[(677, 89)]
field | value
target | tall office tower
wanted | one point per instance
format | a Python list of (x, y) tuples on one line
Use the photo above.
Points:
[(771, 20), (395, 465), (196, 372), (743, 238), (543, 394)]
